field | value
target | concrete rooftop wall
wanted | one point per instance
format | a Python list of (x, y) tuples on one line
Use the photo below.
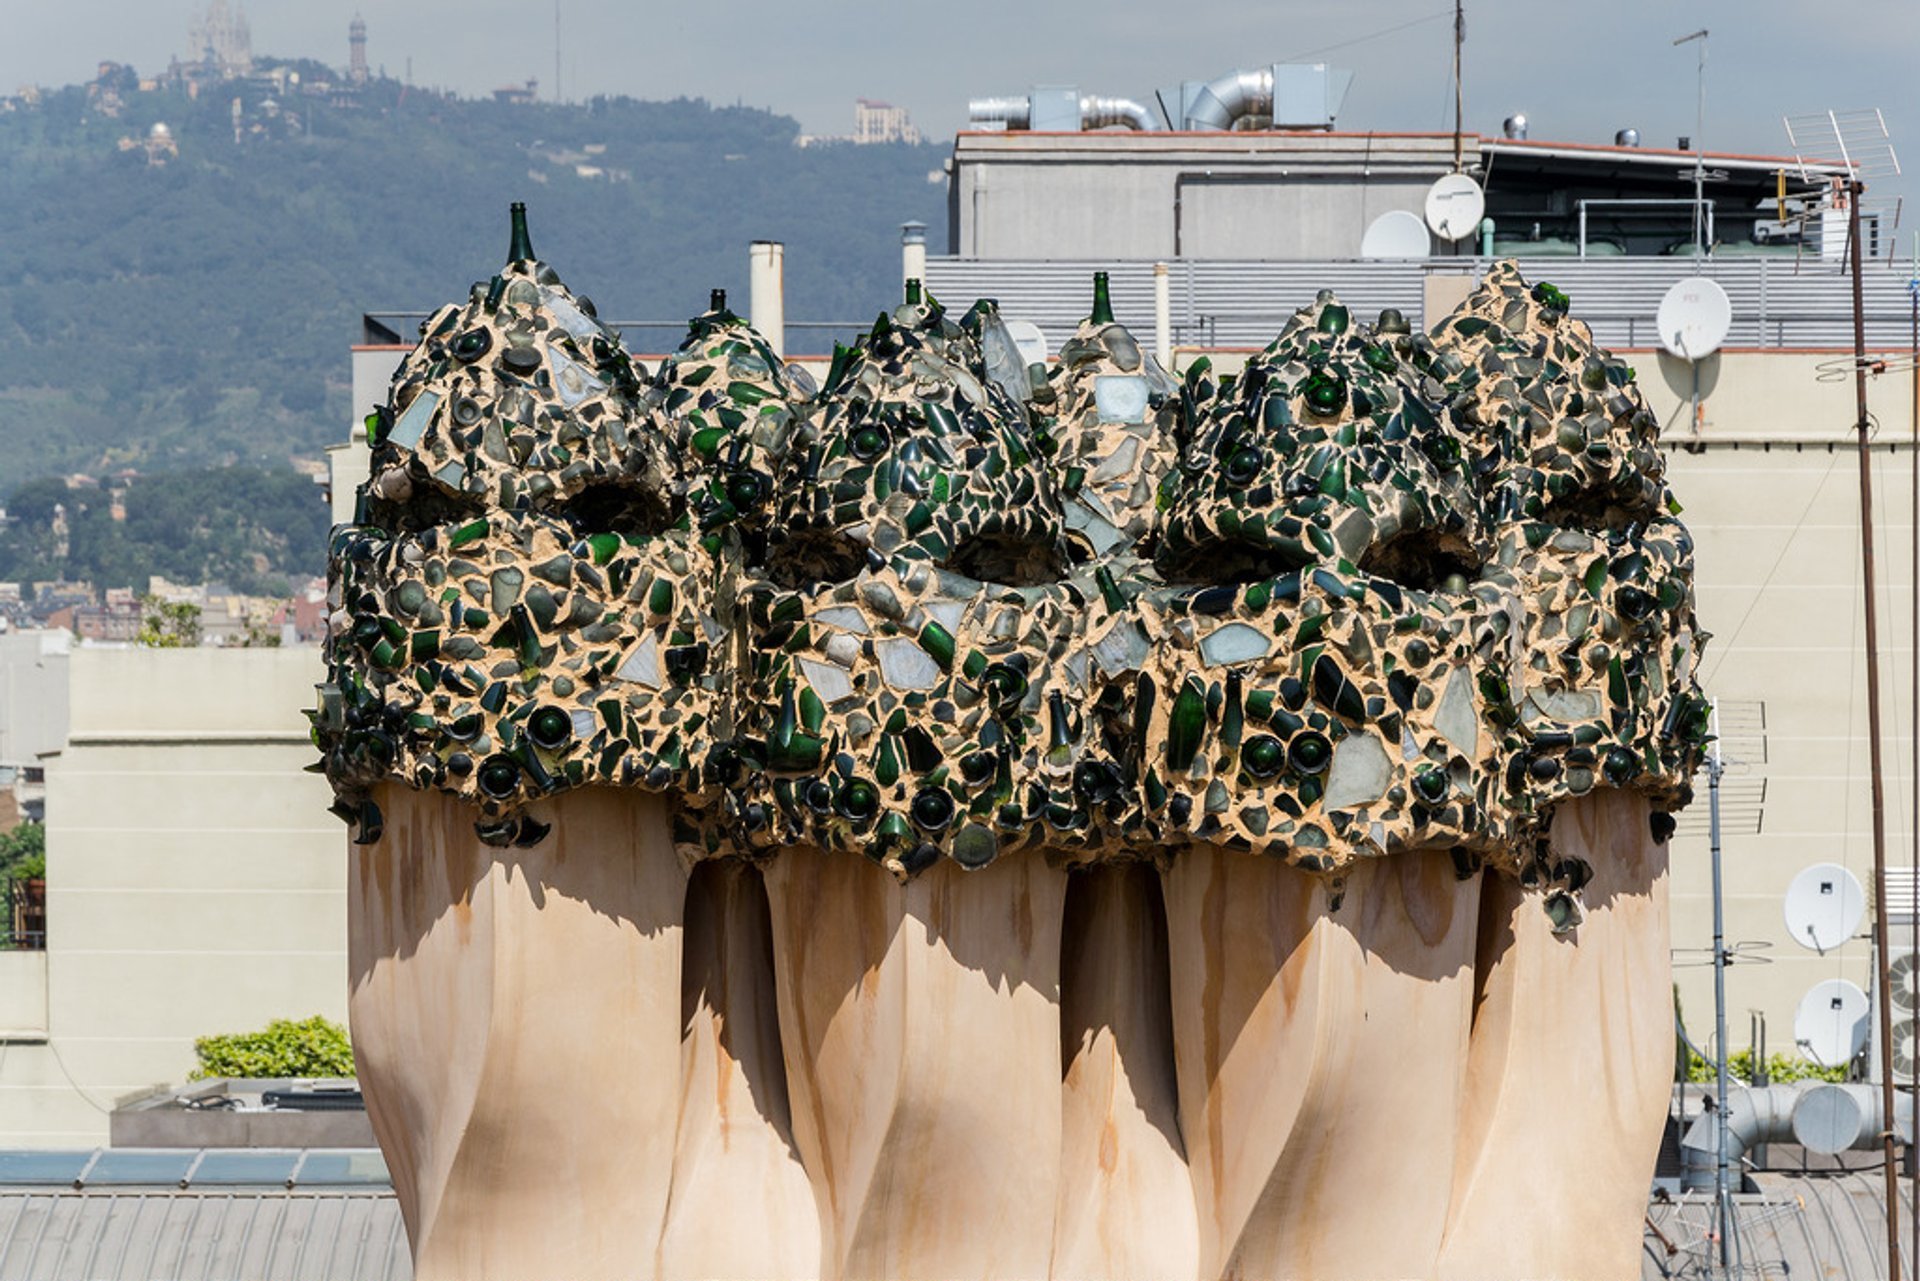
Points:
[(195, 881)]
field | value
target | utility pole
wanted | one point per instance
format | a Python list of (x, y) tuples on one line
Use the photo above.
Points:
[(1913, 523), (1882, 977)]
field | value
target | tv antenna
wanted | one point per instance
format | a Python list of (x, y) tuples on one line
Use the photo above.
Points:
[(1841, 153), (1860, 142)]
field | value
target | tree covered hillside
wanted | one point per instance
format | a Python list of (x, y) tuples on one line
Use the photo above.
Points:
[(198, 311), (256, 530)]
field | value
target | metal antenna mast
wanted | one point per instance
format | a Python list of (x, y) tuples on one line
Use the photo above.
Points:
[(1722, 1183), (1459, 39), (1699, 142)]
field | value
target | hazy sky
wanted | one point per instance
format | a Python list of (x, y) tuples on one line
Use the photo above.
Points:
[(1579, 70)]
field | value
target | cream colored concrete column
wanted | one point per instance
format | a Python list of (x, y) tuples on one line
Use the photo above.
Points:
[(1569, 1075), (921, 1029), (1319, 1049), (735, 1152), (1126, 1201), (767, 292), (516, 1017)]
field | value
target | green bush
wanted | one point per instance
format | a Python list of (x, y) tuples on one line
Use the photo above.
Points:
[(312, 1047), (1782, 1069), (23, 852)]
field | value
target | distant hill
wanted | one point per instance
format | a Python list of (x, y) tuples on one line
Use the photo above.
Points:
[(198, 311), (257, 530)]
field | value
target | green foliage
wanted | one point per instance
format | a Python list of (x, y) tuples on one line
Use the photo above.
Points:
[(251, 528), (23, 852), (1782, 1069), (311, 1047), (168, 624), (198, 312)]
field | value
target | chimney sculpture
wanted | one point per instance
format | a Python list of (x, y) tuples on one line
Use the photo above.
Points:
[(970, 820)]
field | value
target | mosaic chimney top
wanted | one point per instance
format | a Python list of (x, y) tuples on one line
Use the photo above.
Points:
[(1377, 591)]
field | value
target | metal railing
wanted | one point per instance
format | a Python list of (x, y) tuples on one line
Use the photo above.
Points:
[(1777, 303), (23, 915)]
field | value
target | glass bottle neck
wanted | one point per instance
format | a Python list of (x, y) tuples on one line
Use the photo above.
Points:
[(521, 249)]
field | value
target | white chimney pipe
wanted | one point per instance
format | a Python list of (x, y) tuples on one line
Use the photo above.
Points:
[(767, 292), (1163, 315), (913, 251)]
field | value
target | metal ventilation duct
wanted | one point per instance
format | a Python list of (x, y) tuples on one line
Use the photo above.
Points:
[(1825, 1118), (1225, 99), (1290, 95), (1055, 109), (1098, 113)]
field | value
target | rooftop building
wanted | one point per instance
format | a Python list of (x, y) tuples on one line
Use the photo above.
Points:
[(194, 883)]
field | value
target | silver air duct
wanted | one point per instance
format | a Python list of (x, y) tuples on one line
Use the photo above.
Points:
[(1287, 95), (1225, 99), (1060, 110), (1098, 113), (1825, 1118), (1013, 112)]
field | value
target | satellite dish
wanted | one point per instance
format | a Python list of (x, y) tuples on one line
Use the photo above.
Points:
[(1694, 318), (1831, 1023), (1031, 342), (1823, 907), (1396, 234), (1455, 206)]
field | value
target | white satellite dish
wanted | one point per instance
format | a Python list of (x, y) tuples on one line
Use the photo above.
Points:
[(1028, 338), (1831, 1023), (1396, 234), (1694, 318), (1455, 205), (1824, 905)]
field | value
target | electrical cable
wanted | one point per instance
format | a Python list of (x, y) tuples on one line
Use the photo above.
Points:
[(1726, 646), (1384, 31), (54, 1049)]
